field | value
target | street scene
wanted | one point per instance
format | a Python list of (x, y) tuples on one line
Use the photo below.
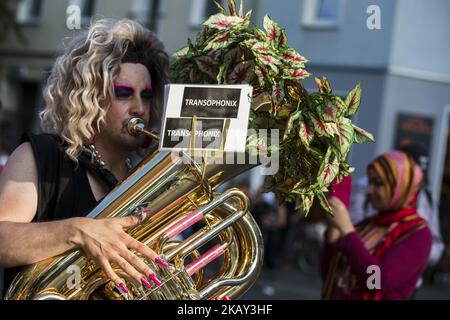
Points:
[(224, 150)]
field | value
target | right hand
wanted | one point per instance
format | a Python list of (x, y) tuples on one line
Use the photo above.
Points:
[(106, 242)]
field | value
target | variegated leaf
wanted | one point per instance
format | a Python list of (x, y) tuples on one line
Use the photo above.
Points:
[(329, 169), (319, 125), (353, 100), (307, 202), (329, 112), (242, 73), (218, 42), (293, 58), (181, 53), (222, 22), (290, 123), (324, 202), (278, 91), (282, 39), (272, 29), (295, 74), (261, 73), (207, 65), (362, 135), (261, 48), (306, 132), (345, 136), (269, 61)]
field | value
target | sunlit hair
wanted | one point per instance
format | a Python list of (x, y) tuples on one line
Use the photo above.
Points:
[(80, 86)]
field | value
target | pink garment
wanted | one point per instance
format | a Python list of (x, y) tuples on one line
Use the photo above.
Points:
[(342, 190)]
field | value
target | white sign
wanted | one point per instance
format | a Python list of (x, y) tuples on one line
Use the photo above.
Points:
[(212, 105)]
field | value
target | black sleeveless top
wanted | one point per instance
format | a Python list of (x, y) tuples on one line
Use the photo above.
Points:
[(63, 186)]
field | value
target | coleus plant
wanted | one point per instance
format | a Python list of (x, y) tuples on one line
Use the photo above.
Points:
[(316, 131)]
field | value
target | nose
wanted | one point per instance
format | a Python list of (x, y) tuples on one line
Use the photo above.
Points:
[(138, 108)]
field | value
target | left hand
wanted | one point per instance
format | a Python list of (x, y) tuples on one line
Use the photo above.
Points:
[(341, 218)]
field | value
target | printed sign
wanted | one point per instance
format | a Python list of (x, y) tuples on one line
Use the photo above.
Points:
[(212, 105)]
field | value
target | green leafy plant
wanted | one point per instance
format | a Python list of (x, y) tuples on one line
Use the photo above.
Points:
[(316, 132)]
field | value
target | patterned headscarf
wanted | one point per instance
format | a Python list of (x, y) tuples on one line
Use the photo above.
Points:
[(401, 176)]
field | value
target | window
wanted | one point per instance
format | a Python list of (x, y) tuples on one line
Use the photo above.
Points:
[(148, 12), (202, 9), (87, 9), (322, 13), (29, 11)]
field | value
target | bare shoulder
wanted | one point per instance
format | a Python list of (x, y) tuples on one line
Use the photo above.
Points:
[(18, 186)]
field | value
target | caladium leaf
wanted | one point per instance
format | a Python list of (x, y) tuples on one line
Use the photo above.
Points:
[(261, 73), (345, 136), (242, 73), (293, 58), (222, 22), (306, 132), (329, 168), (295, 74), (218, 42), (362, 135), (261, 48), (269, 61), (278, 91), (272, 30), (353, 100), (207, 65)]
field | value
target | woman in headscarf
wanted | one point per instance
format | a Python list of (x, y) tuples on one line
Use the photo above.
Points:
[(383, 256)]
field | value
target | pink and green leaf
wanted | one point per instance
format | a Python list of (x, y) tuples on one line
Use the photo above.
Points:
[(242, 73), (293, 58), (362, 136), (269, 61), (218, 42), (272, 29), (278, 91), (306, 132), (207, 65), (353, 100), (222, 22)]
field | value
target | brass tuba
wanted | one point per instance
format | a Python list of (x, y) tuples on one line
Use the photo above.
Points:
[(177, 192)]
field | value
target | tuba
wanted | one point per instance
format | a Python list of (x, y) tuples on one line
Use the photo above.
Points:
[(176, 193)]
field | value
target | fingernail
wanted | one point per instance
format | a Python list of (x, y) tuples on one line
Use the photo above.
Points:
[(162, 262), (122, 290), (123, 287), (148, 210), (225, 298), (146, 283), (155, 279)]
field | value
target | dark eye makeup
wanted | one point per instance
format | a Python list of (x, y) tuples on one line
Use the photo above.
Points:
[(122, 92)]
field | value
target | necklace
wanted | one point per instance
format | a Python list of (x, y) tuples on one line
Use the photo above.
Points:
[(96, 157)]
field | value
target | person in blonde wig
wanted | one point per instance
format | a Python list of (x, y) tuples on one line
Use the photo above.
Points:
[(107, 75)]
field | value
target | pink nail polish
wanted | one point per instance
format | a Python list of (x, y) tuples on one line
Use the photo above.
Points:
[(155, 279), (146, 283), (225, 298), (161, 262), (123, 288)]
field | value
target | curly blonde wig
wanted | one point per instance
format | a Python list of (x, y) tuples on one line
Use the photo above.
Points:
[(80, 86)]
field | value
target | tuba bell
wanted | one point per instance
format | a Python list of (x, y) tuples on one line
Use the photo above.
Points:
[(176, 193)]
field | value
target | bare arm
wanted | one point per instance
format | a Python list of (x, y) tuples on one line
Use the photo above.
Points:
[(22, 242)]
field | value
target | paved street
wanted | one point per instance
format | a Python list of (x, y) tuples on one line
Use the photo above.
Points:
[(295, 285)]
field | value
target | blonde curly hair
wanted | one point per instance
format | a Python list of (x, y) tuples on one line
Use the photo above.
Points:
[(80, 86)]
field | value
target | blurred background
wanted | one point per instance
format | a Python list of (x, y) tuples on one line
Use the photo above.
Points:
[(398, 49)]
